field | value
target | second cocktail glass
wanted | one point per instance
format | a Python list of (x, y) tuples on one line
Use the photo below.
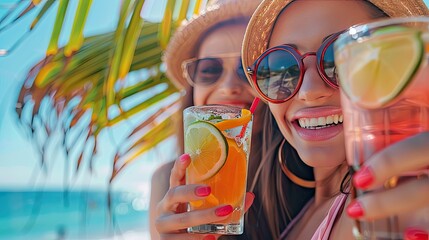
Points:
[(384, 77), (217, 138)]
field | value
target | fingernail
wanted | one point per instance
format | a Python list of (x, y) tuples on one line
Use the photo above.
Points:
[(184, 158), (252, 195), (416, 234), (223, 211), (203, 191), (355, 210), (363, 178), (209, 237)]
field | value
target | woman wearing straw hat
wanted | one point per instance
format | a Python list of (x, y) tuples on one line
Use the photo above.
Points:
[(212, 39), (307, 24), (310, 26)]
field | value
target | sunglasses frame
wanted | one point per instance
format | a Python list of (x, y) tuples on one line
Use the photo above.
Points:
[(296, 54), (217, 57)]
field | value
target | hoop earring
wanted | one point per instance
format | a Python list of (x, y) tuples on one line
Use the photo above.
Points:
[(297, 180)]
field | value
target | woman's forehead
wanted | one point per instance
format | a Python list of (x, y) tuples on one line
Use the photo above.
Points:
[(309, 22), (225, 39)]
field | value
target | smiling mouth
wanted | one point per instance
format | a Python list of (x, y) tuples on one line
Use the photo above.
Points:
[(320, 122)]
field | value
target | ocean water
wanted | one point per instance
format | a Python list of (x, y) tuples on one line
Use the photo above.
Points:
[(58, 215)]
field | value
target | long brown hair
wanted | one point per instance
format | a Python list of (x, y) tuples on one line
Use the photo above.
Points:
[(277, 199)]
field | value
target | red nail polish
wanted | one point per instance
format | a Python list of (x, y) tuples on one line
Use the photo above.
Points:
[(252, 195), (223, 211), (185, 157), (209, 237), (416, 234), (363, 178), (355, 210), (203, 191)]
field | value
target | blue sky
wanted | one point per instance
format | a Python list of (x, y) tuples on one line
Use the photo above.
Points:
[(18, 162)]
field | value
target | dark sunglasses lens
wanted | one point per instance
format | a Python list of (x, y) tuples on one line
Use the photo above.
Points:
[(329, 64), (205, 71), (278, 74)]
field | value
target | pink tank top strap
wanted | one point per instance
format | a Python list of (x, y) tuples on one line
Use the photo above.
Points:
[(325, 228)]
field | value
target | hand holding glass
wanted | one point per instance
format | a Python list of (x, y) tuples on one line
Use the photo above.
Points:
[(217, 138), (384, 78)]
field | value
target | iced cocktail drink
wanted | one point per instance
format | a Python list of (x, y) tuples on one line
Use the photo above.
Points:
[(217, 137), (384, 77)]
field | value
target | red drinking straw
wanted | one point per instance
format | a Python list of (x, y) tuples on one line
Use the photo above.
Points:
[(252, 110), (254, 104)]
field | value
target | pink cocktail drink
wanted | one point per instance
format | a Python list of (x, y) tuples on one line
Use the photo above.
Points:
[(384, 76)]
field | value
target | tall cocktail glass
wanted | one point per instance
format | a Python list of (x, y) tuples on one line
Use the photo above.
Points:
[(217, 137), (384, 77)]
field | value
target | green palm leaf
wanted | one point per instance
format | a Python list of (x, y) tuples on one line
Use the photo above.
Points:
[(80, 89), (59, 20)]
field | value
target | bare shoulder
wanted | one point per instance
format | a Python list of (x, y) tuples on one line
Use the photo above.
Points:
[(160, 183), (161, 176)]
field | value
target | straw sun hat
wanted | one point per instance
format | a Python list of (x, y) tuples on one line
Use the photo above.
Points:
[(262, 22), (184, 42)]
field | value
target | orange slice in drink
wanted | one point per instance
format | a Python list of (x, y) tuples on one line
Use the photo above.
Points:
[(246, 115), (208, 149), (381, 66)]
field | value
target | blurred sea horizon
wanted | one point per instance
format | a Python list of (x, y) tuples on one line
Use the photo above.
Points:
[(83, 214)]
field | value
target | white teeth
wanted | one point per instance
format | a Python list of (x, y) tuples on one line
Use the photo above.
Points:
[(329, 120), (320, 122)]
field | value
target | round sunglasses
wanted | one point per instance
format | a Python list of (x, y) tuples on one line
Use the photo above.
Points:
[(208, 71), (278, 73)]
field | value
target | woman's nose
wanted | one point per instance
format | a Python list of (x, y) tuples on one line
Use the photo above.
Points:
[(313, 87), (230, 83)]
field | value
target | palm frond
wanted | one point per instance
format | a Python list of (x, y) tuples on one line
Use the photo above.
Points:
[(41, 13), (76, 35), (59, 20), (81, 89), (165, 27)]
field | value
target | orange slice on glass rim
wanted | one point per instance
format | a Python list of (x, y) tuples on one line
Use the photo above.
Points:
[(246, 115)]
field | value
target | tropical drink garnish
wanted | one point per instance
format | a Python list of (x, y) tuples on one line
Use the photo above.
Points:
[(246, 115), (381, 67), (208, 149)]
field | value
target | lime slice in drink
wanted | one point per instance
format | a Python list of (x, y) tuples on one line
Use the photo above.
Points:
[(208, 149), (381, 66)]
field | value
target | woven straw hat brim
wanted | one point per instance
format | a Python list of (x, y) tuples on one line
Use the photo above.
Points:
[(261, 24), (183, 44)]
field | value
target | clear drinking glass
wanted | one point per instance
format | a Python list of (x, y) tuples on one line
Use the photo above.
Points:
[(384, 77), (217, 137)]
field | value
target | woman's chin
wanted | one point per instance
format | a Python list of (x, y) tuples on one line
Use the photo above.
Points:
[(322, 157)]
